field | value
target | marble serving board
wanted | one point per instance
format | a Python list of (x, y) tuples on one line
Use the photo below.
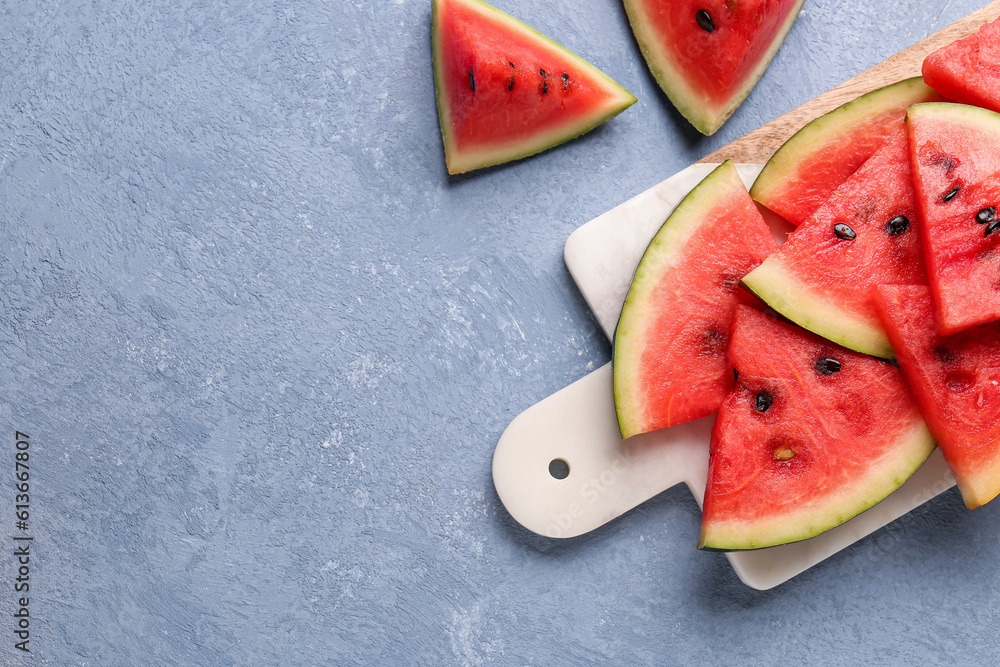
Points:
[(577, 427), (609, 476)]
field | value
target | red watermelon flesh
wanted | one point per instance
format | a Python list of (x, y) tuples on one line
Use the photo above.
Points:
[(671, 338), (804, 172), (802, 444), (505, 91), (955, 153), (864, 235), (968, 71), (956, 381), (707, 55)]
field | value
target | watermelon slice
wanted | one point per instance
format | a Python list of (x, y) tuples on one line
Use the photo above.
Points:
[(807, 168), (505, 91), (812, 435), (707, 56), (864, 235), (968, 70), (955, 151), (956, 381), (670, 343)]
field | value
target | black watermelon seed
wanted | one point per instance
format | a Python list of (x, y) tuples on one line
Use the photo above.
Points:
[(510, 83), (705, 21), (472, 81), (827, 365), (992, 227), (987, 214), (897, 225), (763, 401), (545, 83), (736, 375), (952, 194), (844, 232)]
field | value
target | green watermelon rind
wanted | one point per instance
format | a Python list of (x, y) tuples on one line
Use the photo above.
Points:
[(914, 446), (666, 247), (692, 106), (827, 129), (785, 292), (460, 162)]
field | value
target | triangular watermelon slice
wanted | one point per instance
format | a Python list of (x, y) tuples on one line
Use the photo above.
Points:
[(505, 91), (670, 343), (812, 435), (804, 172), (956, 381), (955, 153), (864, 235), (968, 71), (707, 56)]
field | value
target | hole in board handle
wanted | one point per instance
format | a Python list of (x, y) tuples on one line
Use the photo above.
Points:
[(558, 468)]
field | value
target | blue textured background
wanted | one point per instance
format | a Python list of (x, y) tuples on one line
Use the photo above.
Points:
[(264, 347)]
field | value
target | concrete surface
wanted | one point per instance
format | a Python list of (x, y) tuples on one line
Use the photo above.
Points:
[(264, 347)]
